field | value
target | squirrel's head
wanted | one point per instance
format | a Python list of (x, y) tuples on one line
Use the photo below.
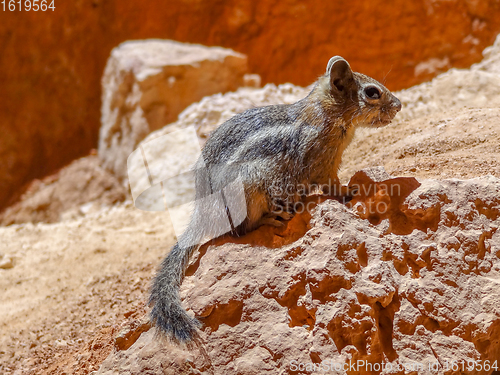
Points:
[(363, 100)]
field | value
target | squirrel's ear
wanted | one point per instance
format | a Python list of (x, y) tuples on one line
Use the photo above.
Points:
[(340, 72)]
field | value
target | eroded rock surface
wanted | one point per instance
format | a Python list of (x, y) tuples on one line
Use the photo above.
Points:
[(407, 273)]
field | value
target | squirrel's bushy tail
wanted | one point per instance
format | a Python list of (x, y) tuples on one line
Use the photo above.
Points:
[(167, 312)]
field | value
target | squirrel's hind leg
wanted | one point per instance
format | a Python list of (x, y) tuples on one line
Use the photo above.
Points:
[(261, 211)]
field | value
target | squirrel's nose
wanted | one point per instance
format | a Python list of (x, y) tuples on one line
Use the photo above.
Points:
[(396, 104)]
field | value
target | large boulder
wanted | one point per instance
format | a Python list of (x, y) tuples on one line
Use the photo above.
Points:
[(146, 84)]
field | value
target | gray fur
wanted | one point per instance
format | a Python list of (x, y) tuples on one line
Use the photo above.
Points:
[(270, 149)]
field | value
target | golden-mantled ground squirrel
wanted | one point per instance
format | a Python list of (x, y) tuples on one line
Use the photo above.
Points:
[(276, 153)]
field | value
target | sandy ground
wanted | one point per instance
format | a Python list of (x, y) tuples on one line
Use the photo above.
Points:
[(70, 280)]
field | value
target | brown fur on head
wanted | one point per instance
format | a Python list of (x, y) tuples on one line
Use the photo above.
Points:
[(359, 99)]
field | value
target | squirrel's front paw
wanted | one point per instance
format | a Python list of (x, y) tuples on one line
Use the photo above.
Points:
[(273, 219)]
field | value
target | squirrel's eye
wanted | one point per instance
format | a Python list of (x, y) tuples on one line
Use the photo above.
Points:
[(372, 92)]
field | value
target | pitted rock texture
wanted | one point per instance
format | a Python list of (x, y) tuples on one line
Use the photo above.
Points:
[(352, 288), (146, 84), (50, 97)]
